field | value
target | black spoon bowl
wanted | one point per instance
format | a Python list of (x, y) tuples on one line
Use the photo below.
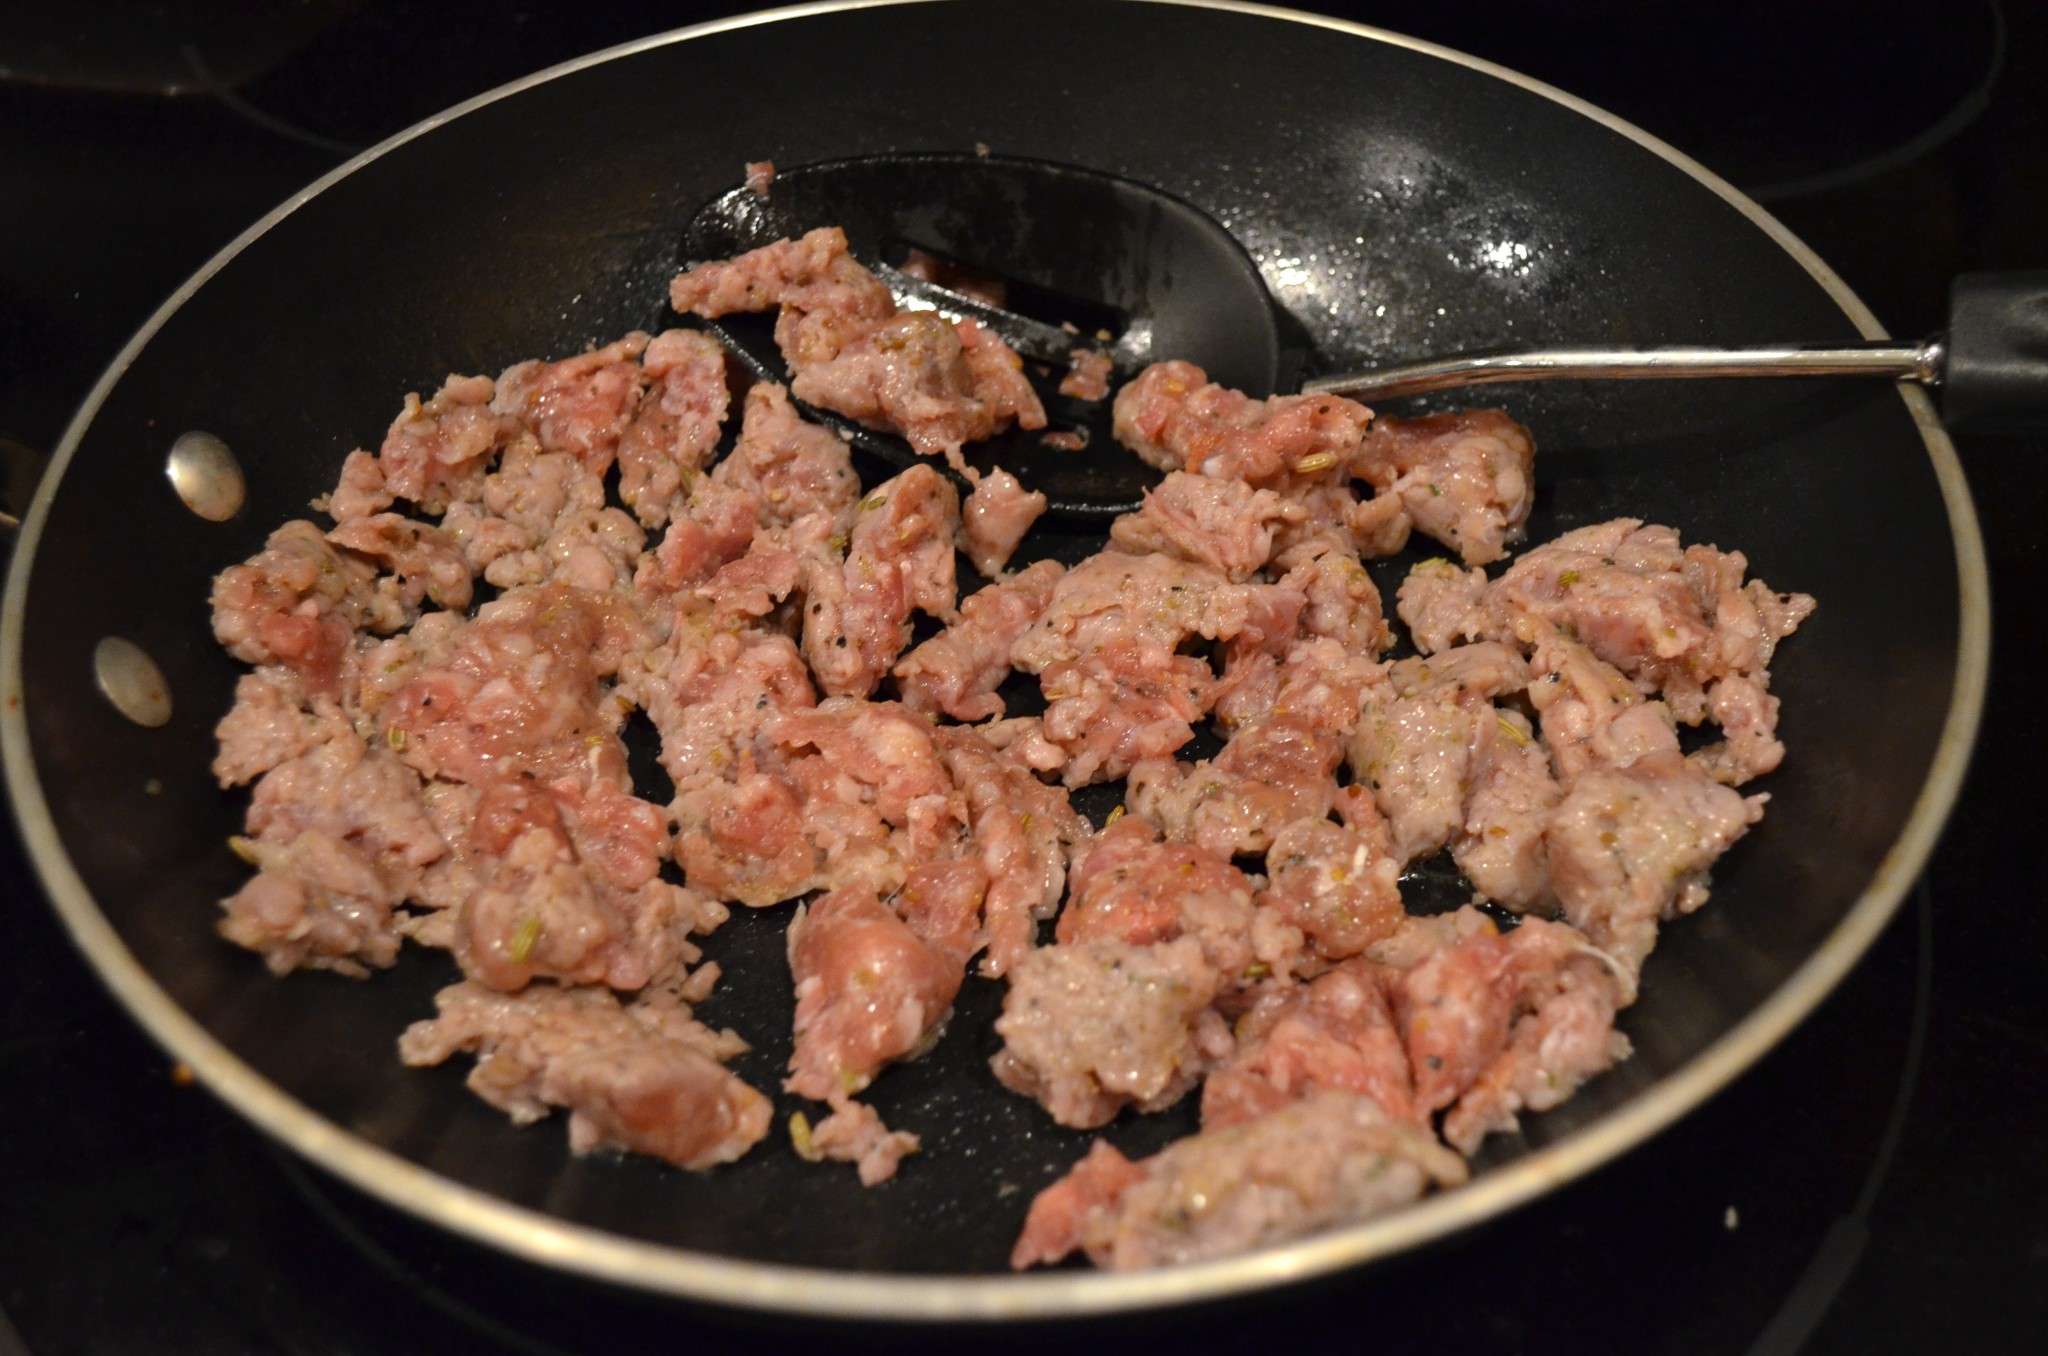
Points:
[(1105, 254)]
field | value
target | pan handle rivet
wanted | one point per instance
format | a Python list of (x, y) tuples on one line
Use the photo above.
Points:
[(206, 476), (131, 682)]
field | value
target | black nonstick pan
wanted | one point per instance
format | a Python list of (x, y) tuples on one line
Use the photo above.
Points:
[(1397, 200)]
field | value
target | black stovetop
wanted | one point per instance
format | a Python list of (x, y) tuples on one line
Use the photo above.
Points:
[(1878, 1183)]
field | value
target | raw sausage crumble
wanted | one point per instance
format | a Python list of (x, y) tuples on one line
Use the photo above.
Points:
[(439, 680)]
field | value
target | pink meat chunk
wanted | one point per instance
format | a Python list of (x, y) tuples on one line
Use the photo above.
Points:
[(436, 451), (1501, 847), (1675, 621), (1456, 1007), (1022, 831), (580, 405), (1566, 997), (1088, 372), (674, 428), (1338, 884), (714, 526), (1412, 747), (424, 562), (899, 558), (1466, 479), (1343, 602), (940, 384), (520, 694), (868, 990), (854, 1133), (1121, 705), (1224, 524), (1333, 1158), (994, 520), (791, 467), (1130, 887), (1336, 1031), (560, 883), (1091, 1028), (1630, 846), (270, 723), (642, 1076), (958, 670), (340, 838), (1062, 1214), (1175, 418), (298, 603), (1268, 775), (1441, 604)]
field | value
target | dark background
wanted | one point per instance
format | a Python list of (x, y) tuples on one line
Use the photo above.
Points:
[(1879, 1183)]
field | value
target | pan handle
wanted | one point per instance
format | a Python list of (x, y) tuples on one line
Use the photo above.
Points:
[(1995, 380)]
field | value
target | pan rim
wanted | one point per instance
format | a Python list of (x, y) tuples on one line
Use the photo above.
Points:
[(821, 1293)]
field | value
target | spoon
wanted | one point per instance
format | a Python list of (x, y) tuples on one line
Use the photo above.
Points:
[(1144, 276)]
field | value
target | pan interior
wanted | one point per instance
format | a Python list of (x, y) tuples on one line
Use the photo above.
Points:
[(1396, 203)]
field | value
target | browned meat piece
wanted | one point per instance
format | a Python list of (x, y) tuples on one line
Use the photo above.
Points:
[(1333, 1158), (855, 1134), (1500, 848), (1175, 418), (1466, 479), (1412, 747), (435, 452), (675, 428), (1091, 1028), (899, 558), (1088, 372), (868, 990), (641, 1076), (1337, 1031), (958, 670), (1224, 524), (577, 405), (1338, 884), (790, 467), (760, 174)]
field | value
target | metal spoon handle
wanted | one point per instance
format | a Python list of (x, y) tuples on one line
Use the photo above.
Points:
[(1917, 362)]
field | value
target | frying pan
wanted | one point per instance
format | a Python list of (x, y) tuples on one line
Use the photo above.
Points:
[(1398, 198)]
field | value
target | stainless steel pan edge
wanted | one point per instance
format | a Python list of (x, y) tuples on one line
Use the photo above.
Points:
[(551, 1242)]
